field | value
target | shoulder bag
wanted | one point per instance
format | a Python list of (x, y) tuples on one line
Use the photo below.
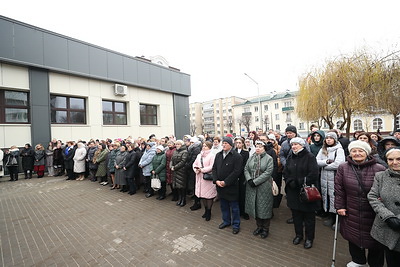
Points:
[(309, 193), (275, 189), (208, 175)]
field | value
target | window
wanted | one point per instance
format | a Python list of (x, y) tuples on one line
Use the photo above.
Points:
[(377, 123), (265, 107), (67, 110), (14, 107), (276, 105), (338, 124), (287, 104), (301, 126), (288, 116), (358, 125), (278, 127), (114, 113), (277, 117), (325, 125), (246, 109), (255, 109), (256, 118), (148, 114)]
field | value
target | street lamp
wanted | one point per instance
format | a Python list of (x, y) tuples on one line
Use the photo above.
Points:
[(259, 101)]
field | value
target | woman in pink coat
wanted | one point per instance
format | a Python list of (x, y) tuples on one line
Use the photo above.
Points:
[(205, 189)]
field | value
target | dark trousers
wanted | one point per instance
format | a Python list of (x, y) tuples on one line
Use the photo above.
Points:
[(28, 174), (163, 189), (230, 212), (132, 185), (263, 223), (147, 185), (306, 218), (242, 195), (70, 174), (13, 170), (392, 258), (375, 257)]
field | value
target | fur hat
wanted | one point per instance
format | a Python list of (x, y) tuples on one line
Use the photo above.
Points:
[(299, 141), (291, 128), (271, 137), (360, 144)]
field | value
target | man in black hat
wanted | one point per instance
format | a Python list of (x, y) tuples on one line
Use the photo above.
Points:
[(226, 171)]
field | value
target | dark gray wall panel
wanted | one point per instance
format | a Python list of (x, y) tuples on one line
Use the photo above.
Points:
[(181, 116), (115, 66), (78, 57), (143, 73), (7, 39), (40, 106), (155, 76), (55, 51), (177, 83), (97, 62), (28, 45), (166, 79), (130, 70)]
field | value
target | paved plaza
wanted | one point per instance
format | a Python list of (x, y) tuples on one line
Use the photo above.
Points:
[(54, 222)]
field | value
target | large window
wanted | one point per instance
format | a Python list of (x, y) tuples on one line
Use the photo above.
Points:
[(377, 123), (14, 107), (67, 110), (358, 125), (114, 113), (148, 114)]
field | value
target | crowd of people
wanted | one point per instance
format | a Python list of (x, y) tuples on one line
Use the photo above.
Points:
[(359, 180)]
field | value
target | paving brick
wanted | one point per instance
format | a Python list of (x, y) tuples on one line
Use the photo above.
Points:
[(54, 222)]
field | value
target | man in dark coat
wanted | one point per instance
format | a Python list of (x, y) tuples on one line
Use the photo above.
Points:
[(69, 153), (226, 171), (28, 158)]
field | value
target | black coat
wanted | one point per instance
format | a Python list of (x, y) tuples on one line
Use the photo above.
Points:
[(304, 164), (28, 158), (58, 158), (69, 159), (245, 156), (228, 169), (270, 151), (131, 165)]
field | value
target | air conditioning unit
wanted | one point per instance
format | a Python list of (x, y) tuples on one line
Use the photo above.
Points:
[(120, 89)]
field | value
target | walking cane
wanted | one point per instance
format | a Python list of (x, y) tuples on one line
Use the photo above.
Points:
[(334, 241)]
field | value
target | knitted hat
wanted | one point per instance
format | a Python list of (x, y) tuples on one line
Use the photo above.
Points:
[(271, 137), (331, 135), (160, 147), (291, 128), (299, 141), (228, 140), (360, 144), (194, 139)]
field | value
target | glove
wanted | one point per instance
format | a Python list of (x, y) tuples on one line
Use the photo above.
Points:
[(393, 223), (251, 183)]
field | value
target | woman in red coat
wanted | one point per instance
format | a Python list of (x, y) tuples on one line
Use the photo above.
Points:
[(353, 181)]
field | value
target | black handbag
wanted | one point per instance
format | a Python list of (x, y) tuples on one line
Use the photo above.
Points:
[(208, 175)]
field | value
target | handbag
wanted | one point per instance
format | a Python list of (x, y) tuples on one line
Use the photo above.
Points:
[(155, 182), (309, 193), (208, 175), (275, 189)]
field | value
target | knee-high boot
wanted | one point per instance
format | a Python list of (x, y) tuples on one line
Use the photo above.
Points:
[(197, 204), (183, 194), (180, 197), (175, 195)]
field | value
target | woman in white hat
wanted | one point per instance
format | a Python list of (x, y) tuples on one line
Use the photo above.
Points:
[(353, 181)]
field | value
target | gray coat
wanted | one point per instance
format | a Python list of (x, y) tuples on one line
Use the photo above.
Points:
[(40, 156), (146, 159), (328, 172), (384, 198), (259, 199)]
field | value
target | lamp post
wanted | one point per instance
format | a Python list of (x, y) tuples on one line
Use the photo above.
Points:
[(260, 120)]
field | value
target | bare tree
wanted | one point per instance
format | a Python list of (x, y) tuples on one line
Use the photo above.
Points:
[(193, 129), (266, 122), (229, 123), (246, 121)]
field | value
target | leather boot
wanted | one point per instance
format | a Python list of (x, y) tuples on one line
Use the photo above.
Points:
[(205, 213), (180, 197), (175, 195), (197, 204), (183, 202), (208, 214)]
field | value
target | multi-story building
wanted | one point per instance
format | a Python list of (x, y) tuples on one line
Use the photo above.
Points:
[(216, 117)]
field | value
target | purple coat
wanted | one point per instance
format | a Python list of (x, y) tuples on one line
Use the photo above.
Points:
[(356, 226)]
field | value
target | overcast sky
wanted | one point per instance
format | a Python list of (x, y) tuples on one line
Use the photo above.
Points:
[(216, 42)]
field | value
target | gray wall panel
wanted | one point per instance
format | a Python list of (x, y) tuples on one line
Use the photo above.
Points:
[(176, 83), (78, 57), (166, 79), (115, 66), (181, 114), (130, 70), (28, 45), (143, 73), (97, 62), (40, 106), (7, 39), (55, 51), (155, 76)]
